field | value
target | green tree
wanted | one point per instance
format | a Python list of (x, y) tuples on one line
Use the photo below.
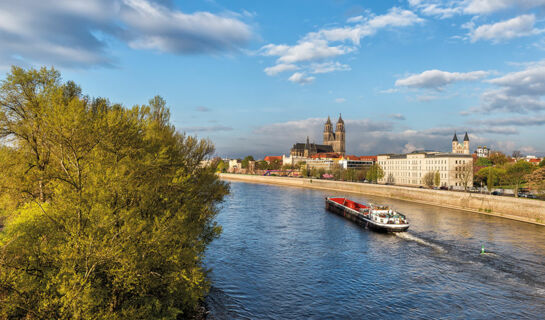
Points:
[(305, 172), (536, 180), (107, 210), (245, 161), (437, 179), (321, 172), (516, 173), (361, 174), (542, 163), (483, 162), (222, 166), (275, 164), (375, 173), (498, 158), (428, 179)]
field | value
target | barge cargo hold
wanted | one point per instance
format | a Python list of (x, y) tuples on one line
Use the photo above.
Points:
[(379, 218)]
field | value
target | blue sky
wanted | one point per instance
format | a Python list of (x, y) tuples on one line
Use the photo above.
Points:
[(257, 76)]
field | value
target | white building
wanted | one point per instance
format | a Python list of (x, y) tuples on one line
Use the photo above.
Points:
[(455, 169), (355, 164), (482, 152), (410, 169)]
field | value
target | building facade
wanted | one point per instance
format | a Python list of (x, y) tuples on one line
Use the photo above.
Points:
[(455, 169), (334, 142), (308, 149), (337, 139), (460, 147), (482, 152)]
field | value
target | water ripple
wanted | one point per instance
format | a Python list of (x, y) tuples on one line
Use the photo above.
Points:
[(282, 256)]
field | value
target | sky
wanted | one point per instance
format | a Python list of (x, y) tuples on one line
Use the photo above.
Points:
[(255, 77)]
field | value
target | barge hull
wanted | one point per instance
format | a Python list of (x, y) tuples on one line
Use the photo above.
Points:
[(359, 219)]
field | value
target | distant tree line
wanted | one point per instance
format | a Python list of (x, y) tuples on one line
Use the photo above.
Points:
[(499, 170)]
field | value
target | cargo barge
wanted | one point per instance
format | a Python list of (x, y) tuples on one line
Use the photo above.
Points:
[(375, 217)]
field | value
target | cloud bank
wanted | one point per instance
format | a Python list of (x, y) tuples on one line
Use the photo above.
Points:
[(79, 33), (315, 52), (437, 79)]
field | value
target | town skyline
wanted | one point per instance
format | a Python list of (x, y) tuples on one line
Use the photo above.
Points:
[(256, 77)]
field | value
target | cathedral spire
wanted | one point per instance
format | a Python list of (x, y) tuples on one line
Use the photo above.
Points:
[(466, 138), (328, 120), (455, 137), (340, 119)]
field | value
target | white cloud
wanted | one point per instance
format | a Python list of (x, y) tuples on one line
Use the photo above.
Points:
[(340, 100), (489, 6), (379, 137), (396, 17), (446, 9), (327, 67), (437, 79), (160, 28), (517, 27), (274, 70), (306, 50), (78, 33), (520, 91), (301, 78), (327, 44), (355, 19), (512, 121)]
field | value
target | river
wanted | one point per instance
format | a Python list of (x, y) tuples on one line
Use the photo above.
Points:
[(283, 256)]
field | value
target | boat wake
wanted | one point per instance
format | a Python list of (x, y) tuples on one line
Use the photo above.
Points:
[(410, 237)]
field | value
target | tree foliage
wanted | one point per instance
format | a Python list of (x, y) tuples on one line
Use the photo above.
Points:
[(375, 173), (483, 162), (107, 210), (465, 174), (246, 161), (498, 158), (437, 179), (428, 179), (516, 173), (536, 180)]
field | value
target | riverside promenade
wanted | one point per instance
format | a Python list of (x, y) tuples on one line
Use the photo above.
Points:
[(527, 210)]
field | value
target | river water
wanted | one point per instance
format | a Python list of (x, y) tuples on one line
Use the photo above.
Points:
[(283, 256)]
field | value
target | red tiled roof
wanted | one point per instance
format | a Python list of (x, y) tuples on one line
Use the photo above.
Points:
[(325, 155), (349, 157), (534, 160), (368, 158), (271, 158)]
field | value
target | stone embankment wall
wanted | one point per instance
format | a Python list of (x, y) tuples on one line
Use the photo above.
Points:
[(528, 210)]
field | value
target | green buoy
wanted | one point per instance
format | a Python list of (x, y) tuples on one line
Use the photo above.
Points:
[(482, 249)]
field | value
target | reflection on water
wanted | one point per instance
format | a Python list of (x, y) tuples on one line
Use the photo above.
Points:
[(282, 256)]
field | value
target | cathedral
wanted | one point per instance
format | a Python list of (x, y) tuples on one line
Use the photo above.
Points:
[(457, 147), (334, 142)]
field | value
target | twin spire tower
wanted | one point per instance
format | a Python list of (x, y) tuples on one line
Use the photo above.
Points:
[(337, 139)]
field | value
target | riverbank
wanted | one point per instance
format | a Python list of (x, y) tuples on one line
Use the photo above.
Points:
[(526, 210)]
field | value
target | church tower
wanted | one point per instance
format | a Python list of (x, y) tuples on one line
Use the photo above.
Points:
[(455, 143), (340, 138), (466, 144), (457, 147), (329, 136)]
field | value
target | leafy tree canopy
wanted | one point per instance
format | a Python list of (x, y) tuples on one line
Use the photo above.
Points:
[(107, 212), (483, 162)]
